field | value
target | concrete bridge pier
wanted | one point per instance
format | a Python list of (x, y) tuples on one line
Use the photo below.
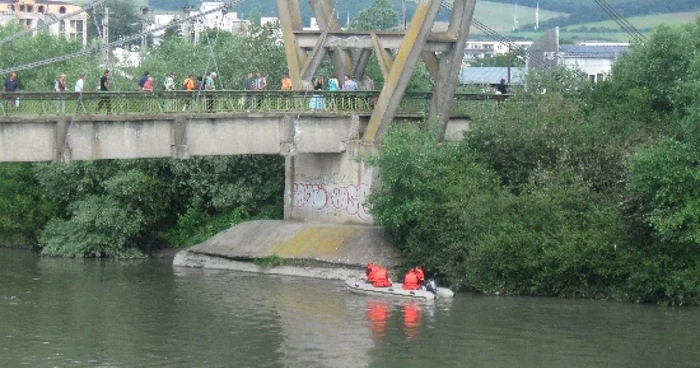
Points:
[(330, 187)]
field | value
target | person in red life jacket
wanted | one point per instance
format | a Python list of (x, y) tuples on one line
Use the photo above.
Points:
[(420, 274), (381, 278), (410, 281), (369, 272)]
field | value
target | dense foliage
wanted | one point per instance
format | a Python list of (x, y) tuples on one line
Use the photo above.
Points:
[(43, 46), (231, 56), (125, 208), (587, 190), (124, 19)]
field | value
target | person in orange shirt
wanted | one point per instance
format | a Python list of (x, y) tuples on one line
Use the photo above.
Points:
[(410, 281), (188, 84), (286, 82)]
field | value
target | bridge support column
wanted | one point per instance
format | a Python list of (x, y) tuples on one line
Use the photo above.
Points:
[(63, 151), (178, 148), (330, 187)]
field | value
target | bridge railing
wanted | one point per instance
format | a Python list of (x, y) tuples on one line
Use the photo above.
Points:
[(162, 102)]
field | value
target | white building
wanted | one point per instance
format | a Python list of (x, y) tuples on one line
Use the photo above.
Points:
[(216, 20), (32, 13), (596, 60), (483, 49)]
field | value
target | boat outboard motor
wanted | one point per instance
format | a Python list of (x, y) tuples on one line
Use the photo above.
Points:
[(431, 286)]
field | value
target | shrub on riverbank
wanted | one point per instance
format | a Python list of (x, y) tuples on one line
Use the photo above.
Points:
[(589, 191), (125, 208)]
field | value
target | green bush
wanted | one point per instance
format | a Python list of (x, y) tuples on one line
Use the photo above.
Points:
[(98, 227)]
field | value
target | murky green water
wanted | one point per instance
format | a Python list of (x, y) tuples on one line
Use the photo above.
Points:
[(65, 313)]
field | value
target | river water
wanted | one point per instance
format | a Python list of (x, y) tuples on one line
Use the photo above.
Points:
[(147, 313)]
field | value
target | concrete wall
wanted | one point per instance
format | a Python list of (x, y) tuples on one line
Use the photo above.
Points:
[(330, 187), (61, 139)]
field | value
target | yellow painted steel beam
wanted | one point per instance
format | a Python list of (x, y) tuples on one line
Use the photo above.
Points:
[(402, 68), (290, 21), (386, 60), (431, 62)]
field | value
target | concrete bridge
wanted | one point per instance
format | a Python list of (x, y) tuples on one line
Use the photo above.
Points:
[(325, 181)]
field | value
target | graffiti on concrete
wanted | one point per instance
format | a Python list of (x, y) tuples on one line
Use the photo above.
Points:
[(333, 199)]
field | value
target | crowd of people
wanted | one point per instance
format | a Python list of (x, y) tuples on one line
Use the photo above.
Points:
[(252, 82)]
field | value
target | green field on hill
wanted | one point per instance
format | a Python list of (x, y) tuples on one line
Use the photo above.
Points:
[(644, 21), (499, 16)]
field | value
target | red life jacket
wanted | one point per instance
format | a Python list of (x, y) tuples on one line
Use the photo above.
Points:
[(410, 281), (370, 271), (381, 278), (420, 274)]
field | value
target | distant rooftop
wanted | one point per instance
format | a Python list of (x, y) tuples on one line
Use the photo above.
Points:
[(491, 75), (592, 51)]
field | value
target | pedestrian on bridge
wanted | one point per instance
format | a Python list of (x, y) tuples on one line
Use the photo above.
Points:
[(105, 102), (11, 85), (60, 86), (249, 86)]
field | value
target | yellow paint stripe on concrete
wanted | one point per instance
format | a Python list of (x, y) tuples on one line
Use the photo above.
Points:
[(315, 242)]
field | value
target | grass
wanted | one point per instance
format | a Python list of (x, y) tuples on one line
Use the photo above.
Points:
[(644, 21), (499, 16), (607, 36)]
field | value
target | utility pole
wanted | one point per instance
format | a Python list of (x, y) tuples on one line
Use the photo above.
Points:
[(510, 62), (105, 36), (403, 10), (187, 26), (145, 11)]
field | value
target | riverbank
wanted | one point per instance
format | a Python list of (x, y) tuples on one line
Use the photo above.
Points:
[(323, 251)]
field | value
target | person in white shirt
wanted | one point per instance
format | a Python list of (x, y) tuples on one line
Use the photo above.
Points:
[(80, 84)]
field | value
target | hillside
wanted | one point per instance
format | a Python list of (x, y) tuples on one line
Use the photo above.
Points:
[(586, 11), (643, 22), (497, 15)]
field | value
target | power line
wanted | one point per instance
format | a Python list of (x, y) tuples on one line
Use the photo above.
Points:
[(502, 39), (97, 49), (621, 21), (39, 27)]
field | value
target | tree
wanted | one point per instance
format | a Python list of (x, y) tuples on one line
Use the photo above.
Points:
[(123, 19), (500, 60), (380, 16)]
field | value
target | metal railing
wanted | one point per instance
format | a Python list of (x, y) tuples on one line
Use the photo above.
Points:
[(202, 102)]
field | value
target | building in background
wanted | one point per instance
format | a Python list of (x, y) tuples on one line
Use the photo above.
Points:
[(32, 13), (484, 49), (596, 60)]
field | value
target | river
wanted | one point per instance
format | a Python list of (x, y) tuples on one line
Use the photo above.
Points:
[(147, 313)]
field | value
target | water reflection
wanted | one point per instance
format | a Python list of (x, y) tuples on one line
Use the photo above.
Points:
[(411, 319), (377, 316)]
